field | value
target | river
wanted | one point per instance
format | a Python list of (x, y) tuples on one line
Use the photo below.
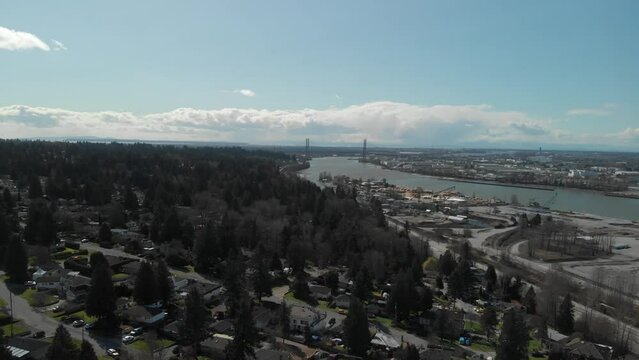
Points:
[(566, 199)]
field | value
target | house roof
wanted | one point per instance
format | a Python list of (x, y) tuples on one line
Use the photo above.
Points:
[(587, 350), (319, 289), (303, 313), (385, 340), (217, 342), (270, 354), (22, 347), (223, 327)]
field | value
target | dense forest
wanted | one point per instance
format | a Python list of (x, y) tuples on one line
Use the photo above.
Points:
[(211, 200)]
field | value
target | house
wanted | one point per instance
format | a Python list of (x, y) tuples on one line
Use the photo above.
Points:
[(116, 263), (270, 354), (215, 346), (384, 341), (45, 270), (304, 318), (24, 348), (75, 287), (320, 292), (222, 327), (143, 316), (573, 347), (342, 301), (208, 291), (171, 331)]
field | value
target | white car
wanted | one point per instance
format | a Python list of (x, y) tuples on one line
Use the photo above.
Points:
[(127, 339), (113, 353)]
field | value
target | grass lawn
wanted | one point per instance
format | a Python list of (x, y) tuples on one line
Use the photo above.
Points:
[(384, 321), (3, 303), (535, 344), (37, 298), (289, 297), (150, 345), (18, 328), (119, 277), (473, 327), (482, 346), (323, 304), (83, 315)]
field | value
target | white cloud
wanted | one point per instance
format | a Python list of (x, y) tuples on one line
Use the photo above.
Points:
[(382, 123), (19, 40), (57, 46), (602, 111), (245, 92)]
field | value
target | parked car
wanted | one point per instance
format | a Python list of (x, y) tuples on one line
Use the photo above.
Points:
[(114, 353), (137, 331), (30, 283), (69, 319), (89, 326), (78, 323), (127, 339), (38, 334)]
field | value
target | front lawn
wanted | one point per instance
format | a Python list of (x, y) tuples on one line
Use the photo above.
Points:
[(473, 327), (18, 328), (151, 345), (482, 346), (83, 315), (119, 277), (37, 298)]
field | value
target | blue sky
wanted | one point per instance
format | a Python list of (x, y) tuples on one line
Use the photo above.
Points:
[(484, 73)]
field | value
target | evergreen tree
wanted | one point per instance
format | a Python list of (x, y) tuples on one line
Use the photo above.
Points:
[(300, 287), (35, 187), (262, 282), (163, 282), (101, 297), (357, 337), (332, 282), (104, 234), (402, 298), (87, 352), (566, 316), (16, 261), (41, 227), (488, 321), (439, 282), (285, 320), (195, 319), (425, 299), (513, 340), (145, 290), (206, 249), (443, 325), (5, 231), (446, 263), (246, 336), (62, 347), (363, 284), (130, 199), (233, 281), (8, 199), (97, 259), (490, 278), (530, 301), (408, 352)]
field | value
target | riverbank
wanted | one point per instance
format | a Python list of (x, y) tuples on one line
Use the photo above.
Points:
[(562, 199)]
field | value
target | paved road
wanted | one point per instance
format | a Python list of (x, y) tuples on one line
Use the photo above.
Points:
[(22, 310)]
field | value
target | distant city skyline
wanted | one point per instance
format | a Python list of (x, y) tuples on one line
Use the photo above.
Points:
[(411, 73)]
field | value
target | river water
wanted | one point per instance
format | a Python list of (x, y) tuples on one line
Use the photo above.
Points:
[(582, 201)]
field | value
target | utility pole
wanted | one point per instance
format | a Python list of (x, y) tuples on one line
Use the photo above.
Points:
[(11, 306)]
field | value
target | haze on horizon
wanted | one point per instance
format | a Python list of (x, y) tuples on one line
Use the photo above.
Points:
[(414, 73)]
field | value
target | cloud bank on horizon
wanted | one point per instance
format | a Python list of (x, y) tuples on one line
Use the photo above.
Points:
[(14, 40), (383, 123)]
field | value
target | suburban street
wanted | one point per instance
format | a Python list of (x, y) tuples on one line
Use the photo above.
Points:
[(23, 311)]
